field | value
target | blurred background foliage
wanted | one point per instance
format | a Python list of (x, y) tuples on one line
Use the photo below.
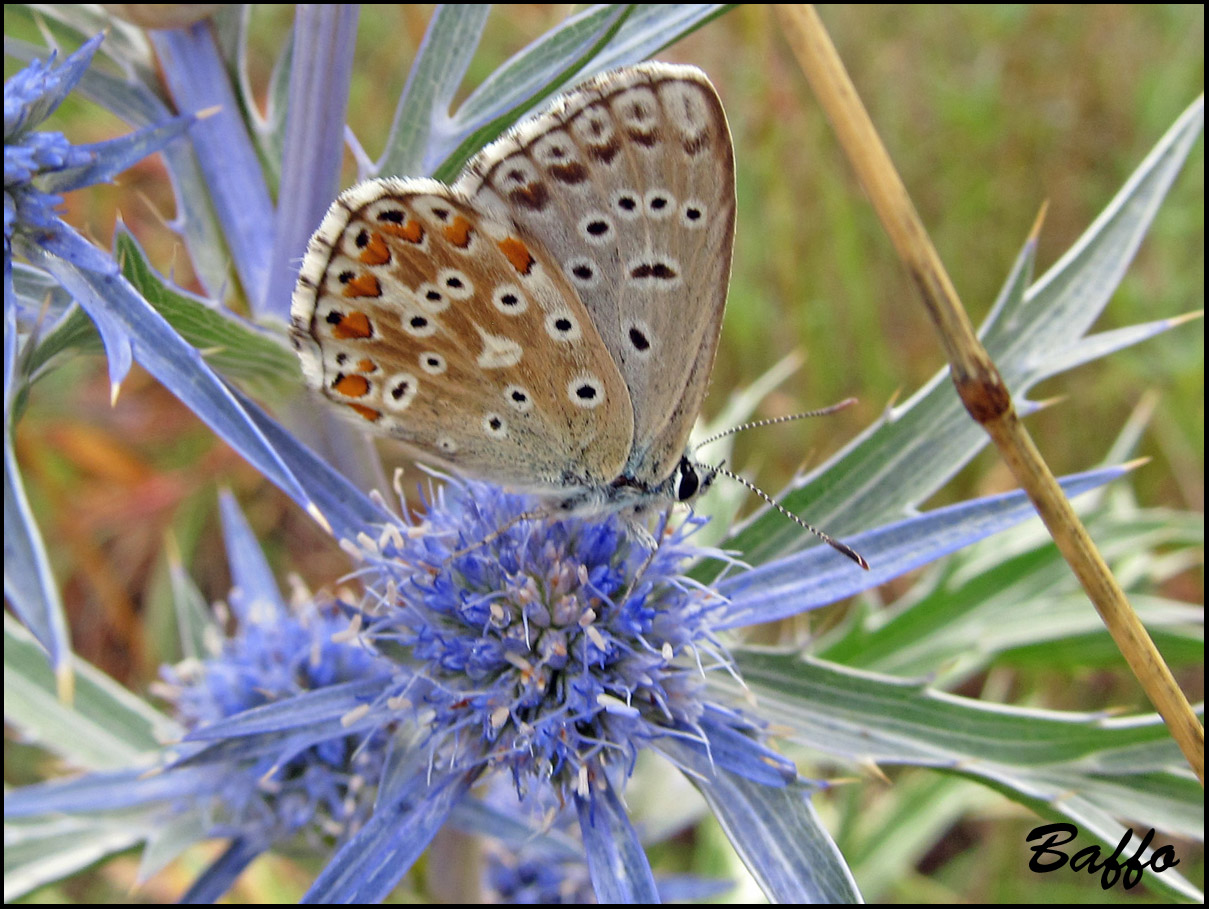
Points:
[(988, 112)]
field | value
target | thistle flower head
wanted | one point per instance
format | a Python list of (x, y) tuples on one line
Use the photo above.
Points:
[(39, 165), (30, 97), (315, 785), (536, 878), (554, 648)]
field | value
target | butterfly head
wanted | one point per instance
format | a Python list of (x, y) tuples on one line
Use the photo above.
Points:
[(633, 496), (690, 479)]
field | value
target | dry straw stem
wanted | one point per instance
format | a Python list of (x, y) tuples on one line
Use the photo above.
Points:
[(978, 381)]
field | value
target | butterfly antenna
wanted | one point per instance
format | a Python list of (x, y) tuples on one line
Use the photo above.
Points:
[(822, 412), (826, 538)]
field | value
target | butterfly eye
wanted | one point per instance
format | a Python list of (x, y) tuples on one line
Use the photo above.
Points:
[(689, 483)]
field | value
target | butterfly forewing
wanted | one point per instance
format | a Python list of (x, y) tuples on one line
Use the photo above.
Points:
[(629, 183), (450, 330)]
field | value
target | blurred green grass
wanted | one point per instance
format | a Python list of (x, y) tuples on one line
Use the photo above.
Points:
[(988, 112)]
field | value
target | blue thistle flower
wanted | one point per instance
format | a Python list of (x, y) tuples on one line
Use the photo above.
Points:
[(31, 155), (39, 165), (318, 786), (537, 879), (551, 650), (554, 649)]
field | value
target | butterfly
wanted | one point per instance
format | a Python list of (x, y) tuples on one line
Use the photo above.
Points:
[(549, 321)]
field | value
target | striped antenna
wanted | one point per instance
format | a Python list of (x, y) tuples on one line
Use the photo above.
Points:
[(831, 541), (822, 412)]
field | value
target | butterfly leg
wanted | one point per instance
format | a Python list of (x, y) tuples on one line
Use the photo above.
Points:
[(652, 542), (500, 531)]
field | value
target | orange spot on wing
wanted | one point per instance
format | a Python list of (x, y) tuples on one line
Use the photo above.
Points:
[(367, 365), (375, 252), (517, 253), (412, 231), (458, 233), (352, 386), (363, 286), (354, 325), (368, 412)]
